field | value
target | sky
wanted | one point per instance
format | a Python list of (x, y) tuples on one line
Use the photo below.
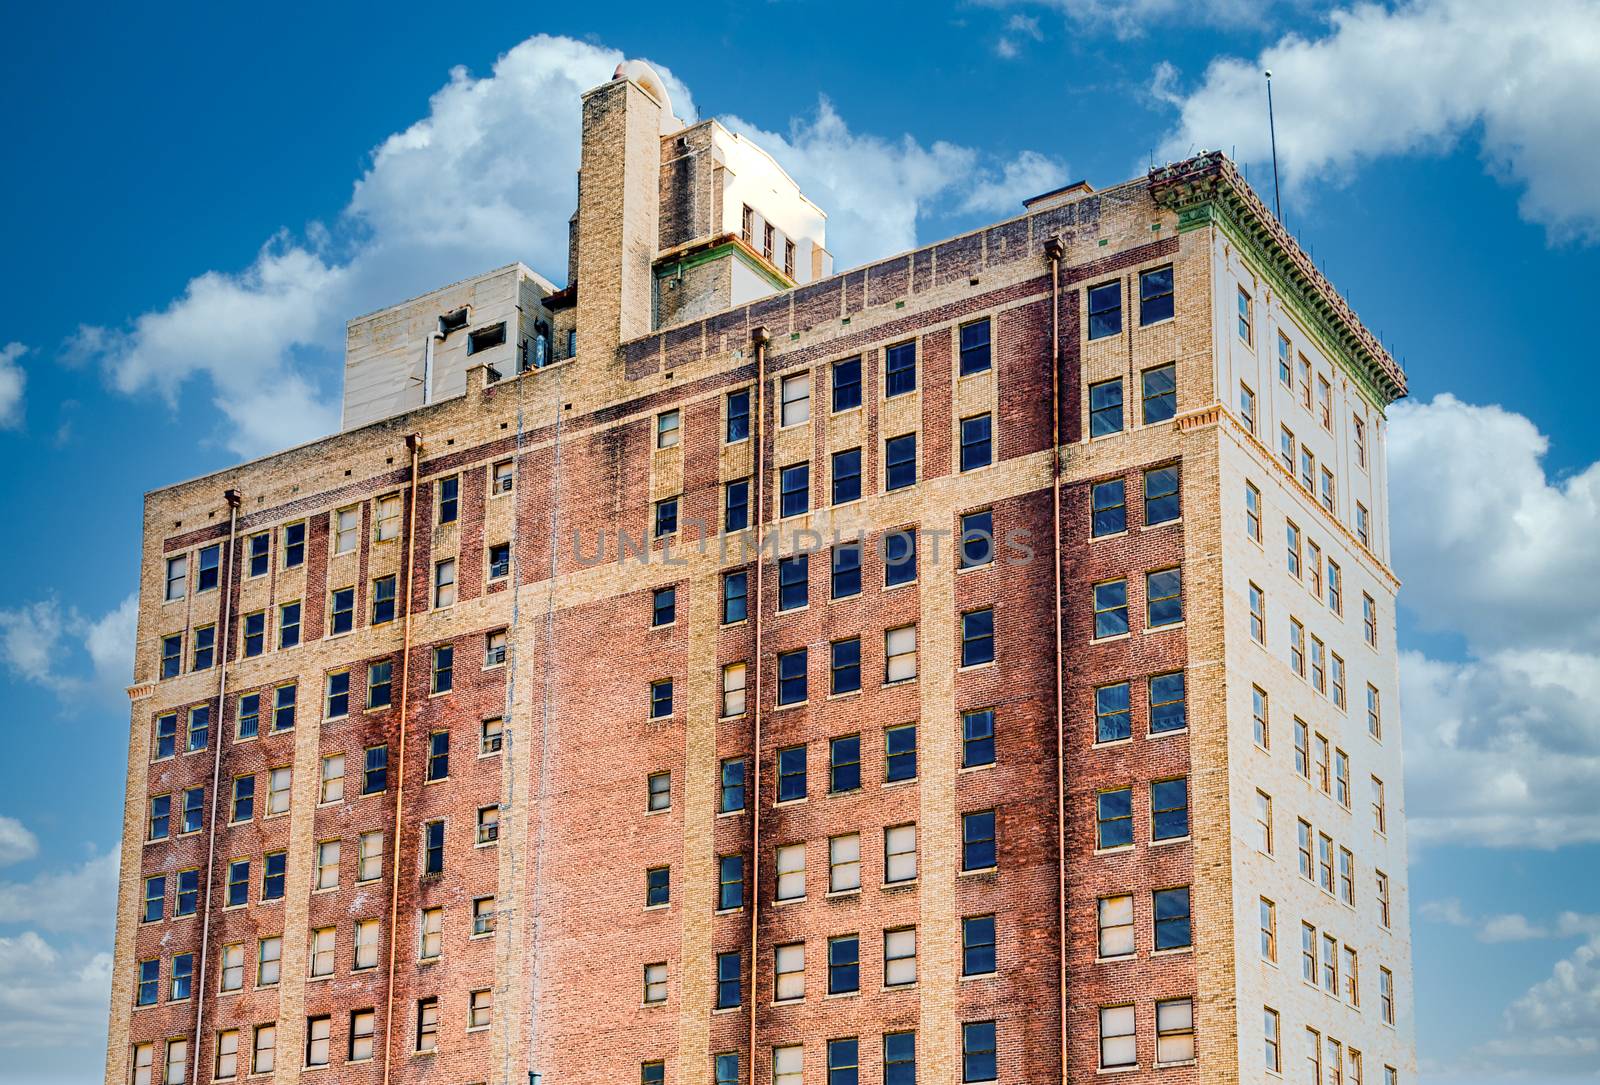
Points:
[(195, 197)]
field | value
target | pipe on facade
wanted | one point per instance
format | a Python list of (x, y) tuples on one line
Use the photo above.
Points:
[(761, 337), (1055, 250), (414, 446), (223, 640)]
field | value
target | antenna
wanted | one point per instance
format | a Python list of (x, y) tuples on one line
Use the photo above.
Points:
[(1272, 127)]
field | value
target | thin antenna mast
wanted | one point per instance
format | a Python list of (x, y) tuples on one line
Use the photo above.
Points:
[(1272, 127)]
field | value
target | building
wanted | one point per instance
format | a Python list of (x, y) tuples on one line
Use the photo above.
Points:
[(724, 670)]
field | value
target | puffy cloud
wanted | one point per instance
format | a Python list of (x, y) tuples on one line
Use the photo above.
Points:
[(1132, 18), (16, 841), (52, 998), (1564, 1010), (1501, 746), (12, 383), (1018, 28), (55, 646), (79, 898), (1029, 174), (1416, 78)]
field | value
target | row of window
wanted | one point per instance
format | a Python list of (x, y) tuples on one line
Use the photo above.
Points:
[(1163, 596), (1169, 814), (1158, 400), (1327, 1059), (1103, 301), (1108, 502)]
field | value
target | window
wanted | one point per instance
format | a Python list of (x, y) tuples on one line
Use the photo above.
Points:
[(978, 1050), (1347, 876), (365, 941), (1155, 295), (433, 847), (1272, 1038), (427, 1024), (480, 1008), (1247, 318), (1319, 665), (1114, 819), (1303, 846), (793, 589), (274, 866), (663, 609), (449, 498), (791, 866), (1105, 408), (726, 1069), (386, 518), (483, 339), (795, 399), (483, 917), (900, 558), (899, 854), (166, 736), (1110, 609), (1308, 469), (171, 655), (1380, 816), (1161, 502), (899, 1058), (288, 625), (502, 478), (444, 668), (974, 347), (336, 697), (846, 476), (1264, 822), (845, 570), (844, 763), (1168, 711), (729, 980), (361, 1035), (977, 945), (255, 633), (1169, 809), (1382, 880), (666, 518), (346, 525), (789, 970), (491, 736), (792, 677), (1374, 713), (730, 882), (1337, 670), (1105, 309), (375, 770), (1292, 543), (444, 583), (977, 539), (1341, 778), (1325, 862), (977, 738), (1247, 407), (1112, 718), (1108, 508), (900, 369), (182, 977), (794, 489), (1302, 748), (1117, 1044), (1386, 994), (1369, 619), (1172, 918), (734, 596), (227, 1066), (269, 960), (294, 545), (263, 1049), (369, 857), (155, 899), (488, 824), (194, 801), (844, 863), (1329, 492), (661, 698), (1268, 920), (844, 965), (1174, 1031), (1297, 647), (787, 1063), (846, 384), (278, 781), (1363, 525), (1286, 448), (205, 647), (736, 505), (332, 778), (978, 841), (321, 952), (249, 711), (791, 774), (1160, 387), (658, 791), (730, 790), (900, 462), (733, 684), (149, 989), (669, 428), (1330, 964), (977, 638), (977, 442), (1164, 597), (160, 826), (1114, 916), (900, 957), (900, 751)]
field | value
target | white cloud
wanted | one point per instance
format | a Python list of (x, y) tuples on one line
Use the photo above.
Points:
[(80, 898), (1565, 1008), (16, 841), (1417, 78), (1502, 747), (1447, 911), (13, 381), (1132, 18), (1510, 927), (1029, 174), (1018, 27), (55, 646), (51, 997)]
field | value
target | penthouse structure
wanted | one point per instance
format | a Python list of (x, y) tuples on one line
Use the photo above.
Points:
[(974, 667)]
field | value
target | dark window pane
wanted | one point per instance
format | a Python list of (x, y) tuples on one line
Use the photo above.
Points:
[(900, 459), (846, 571), (900, 369), (975, 347), (1160, 394), (977, 637), (900, 558), (1105, 408), (846, 384), (846, 666), (977, 445), (1105, 310), (846, 476), (1109, 508), (977, 945), (977, 539), (1167, 709), (977, 738), (1112, 719), (792, 677), (793, 589), (1172, 918), (1155, 295), (1161, 495), (795, 489)]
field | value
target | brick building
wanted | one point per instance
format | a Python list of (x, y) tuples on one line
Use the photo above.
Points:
[(978, 666)]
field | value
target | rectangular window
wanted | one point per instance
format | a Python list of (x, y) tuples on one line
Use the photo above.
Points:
[(1174, 1031), (249, 711), (899, 558), (361, 1035), (1160, 388), (1161, 501), (375, 770), (166, 737), (160, 822), (1169, 809), (1163, 597), (336, 695), (666, 518), (1386, 994), (1172, 918), (1110, 609), (844, 764), (449, 498), (900, 369), (488, 824), (177, 577), (1118, 1046), (792, 677), (205, 647), (444, 668), (977, 638), (227, 1066), (1297, 647), (182, 977), (1369, 619), (1114, 819), (730, 882), (480, 1009), (1292, 542), (734, 596), (899, 854), (1247, 407), (977, 442), (663, 606), (433, 847), (1105, 408), (788, 1065), (1303, 848), (369, 857), (269, 960), (320, 952), (789, 972), (974, 347), (1115, 919), (1168, 703), (900, 753), (977, 945), (793, 586), (794, 489), (1113, 719), (274, 867), (844, 863), (900, 462), (499, 561), (502, 478), (736, 505), (845, 570), (899, 1058), (255, 633), (1247, 317), (431, 934), (491, 736), (846, 382), (1155, 295), (1347, 876), (1330, 964), (1325, 862), (1286, 448), (1363, 525), (294, 544), (1380, 815), (791, 773), (738, 412), (1272, 1039), (900, 957), (1382, 880), (978, 851), (729, 980), (438, 764), (1330, 500), (427, 1024), (1105, 309), (846, 476), (278, 781), (386, 518), (1319, 665), (1374, 713), (844, 966), (733, 685), (155, 900), (1268, 920), (669, 428), (977, 539), (194, 803), (1263, 823), (977, 738), (332, 779), (979, 1052), (790, 860), (1108, 508), (795, 399), (483, 917), (149, 987), (288, 625), (730, 787)]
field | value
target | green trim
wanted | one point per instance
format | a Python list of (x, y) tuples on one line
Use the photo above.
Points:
[(717, 252)]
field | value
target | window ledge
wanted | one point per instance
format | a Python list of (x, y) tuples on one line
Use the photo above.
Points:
[(980, 872), (833, 894), (1161, 628), (1170, 841), (1108, 640)]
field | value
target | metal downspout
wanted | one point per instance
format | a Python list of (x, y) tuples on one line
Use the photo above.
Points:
[(761, 338), (1054, 249)]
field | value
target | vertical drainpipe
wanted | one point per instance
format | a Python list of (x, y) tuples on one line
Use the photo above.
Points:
[(761, 337), (223, 640), (1054, 249), (414, 444)]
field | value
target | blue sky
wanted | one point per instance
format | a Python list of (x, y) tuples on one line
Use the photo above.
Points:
[(196, 200)]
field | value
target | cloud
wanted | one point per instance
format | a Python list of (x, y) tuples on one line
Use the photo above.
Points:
[(16, 841), (1132, 18), (81, 898), (1563, 1010), (13, 381), (55, 646), (1415, 78), (1017, 27), (1029, 174), (50, 997), (1502, 746), (1511, 926)]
